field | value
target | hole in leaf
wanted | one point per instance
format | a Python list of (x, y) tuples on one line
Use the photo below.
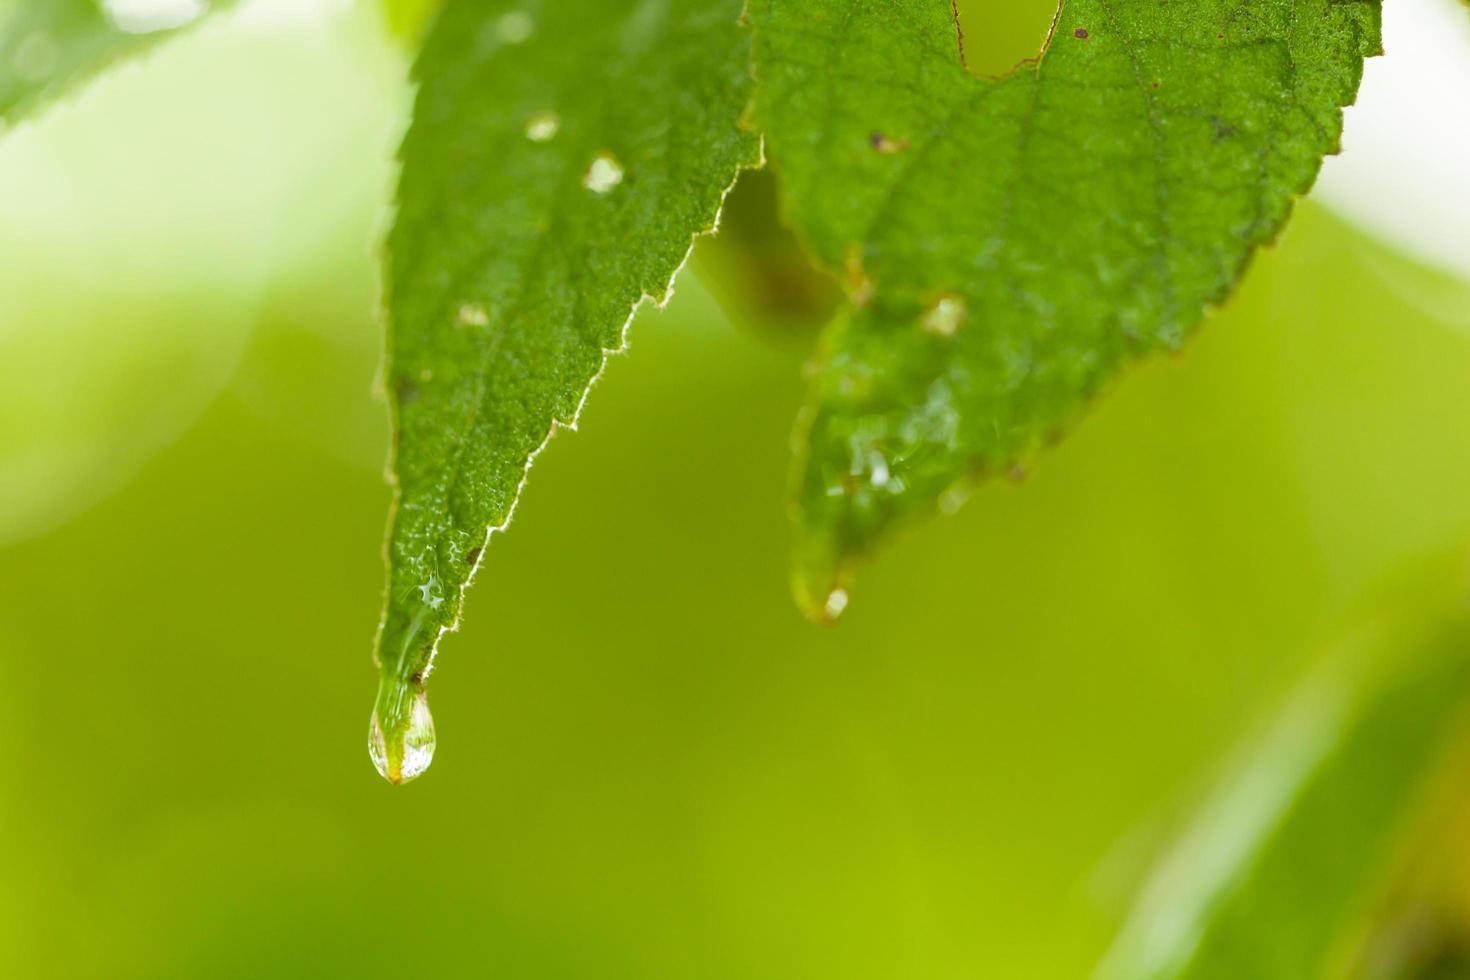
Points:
[(999, 34), (759, 271)]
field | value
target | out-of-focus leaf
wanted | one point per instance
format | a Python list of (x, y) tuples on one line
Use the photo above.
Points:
[(561, 160), (1287, 857), (409, 19), (1008, 245), (144, 242), (47, 46)]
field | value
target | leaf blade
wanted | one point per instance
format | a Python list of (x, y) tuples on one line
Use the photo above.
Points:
[(560, 164), (407, 20), (46, 48), (1286, 858), (1008, 245)]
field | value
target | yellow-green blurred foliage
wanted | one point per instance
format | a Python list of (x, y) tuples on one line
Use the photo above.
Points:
[(649, 765)]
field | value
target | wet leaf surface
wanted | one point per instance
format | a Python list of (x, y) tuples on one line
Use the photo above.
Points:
[(561, 161), (1008, 245)]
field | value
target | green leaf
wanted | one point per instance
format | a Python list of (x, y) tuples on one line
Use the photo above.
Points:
[(561, 160), (1008, 245), (45, 47), (408, 19), (1296, 847)]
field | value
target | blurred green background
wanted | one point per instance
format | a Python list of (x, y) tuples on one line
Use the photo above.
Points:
[(649, 765)]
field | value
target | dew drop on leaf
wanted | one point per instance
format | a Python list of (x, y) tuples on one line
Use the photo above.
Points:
[(878, 468), (543, 127), (515, 27), (604, 174), (473, 315), (945, 317)]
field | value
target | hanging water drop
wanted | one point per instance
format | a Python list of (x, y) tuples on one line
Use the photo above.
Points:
[(604, 174), (401, 747)]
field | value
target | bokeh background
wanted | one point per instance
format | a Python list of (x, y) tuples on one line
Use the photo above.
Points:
[(649, 765)]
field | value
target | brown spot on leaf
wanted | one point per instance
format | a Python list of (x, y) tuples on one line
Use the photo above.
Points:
[(472, 557), (1081, 33), (887, 145)]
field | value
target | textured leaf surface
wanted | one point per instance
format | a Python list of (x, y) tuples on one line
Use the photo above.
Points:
[(1284, 862), (561, 160), (45, 46), (1008, 244)]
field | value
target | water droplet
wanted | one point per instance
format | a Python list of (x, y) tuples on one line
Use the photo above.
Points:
[(473, 315), (543, 127), (146, 16), (429, 593), (819, 579), (406, 756), (515, 27), (604, 174), (879, 475), (945, 317)]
